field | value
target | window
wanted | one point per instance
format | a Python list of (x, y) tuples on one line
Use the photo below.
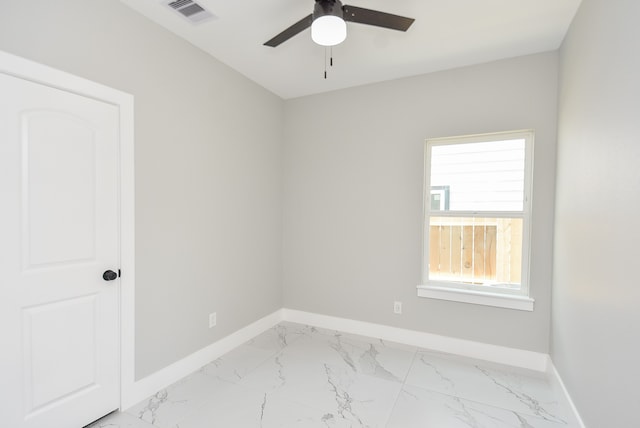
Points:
[(476, 221)]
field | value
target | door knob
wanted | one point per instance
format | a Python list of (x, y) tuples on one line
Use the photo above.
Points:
[(109, 275)]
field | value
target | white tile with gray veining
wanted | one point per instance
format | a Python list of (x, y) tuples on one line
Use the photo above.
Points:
[(169, 406), (263, 409), (301, 376), (375, 357), (339, 392), (326, 374), (278, 337), (418, 408), (353, 354), (120, 420), (518, 390)]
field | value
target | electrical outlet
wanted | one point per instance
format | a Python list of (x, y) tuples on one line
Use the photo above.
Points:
[(397, 307), (213, 319)]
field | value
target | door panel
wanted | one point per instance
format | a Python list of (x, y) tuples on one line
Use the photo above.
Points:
[(58, 366), (58, 193), (59, 231)]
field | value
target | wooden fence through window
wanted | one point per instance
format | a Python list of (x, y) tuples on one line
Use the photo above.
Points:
[(475, 250)]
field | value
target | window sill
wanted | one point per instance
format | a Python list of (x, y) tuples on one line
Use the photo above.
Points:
[(521, 303)]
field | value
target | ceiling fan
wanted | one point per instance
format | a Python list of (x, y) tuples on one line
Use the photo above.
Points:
[(328, 26)]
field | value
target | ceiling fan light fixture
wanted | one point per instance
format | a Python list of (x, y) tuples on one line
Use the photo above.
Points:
[(328, 27), (328, 30)]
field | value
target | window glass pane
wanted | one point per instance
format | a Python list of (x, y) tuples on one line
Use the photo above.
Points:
[(486, 176), (476, 250)]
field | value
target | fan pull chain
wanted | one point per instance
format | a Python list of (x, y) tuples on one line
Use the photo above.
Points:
[(330, 53), (325, 63)]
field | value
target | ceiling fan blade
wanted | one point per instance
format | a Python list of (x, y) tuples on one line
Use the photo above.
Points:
[(296, 28), (374, 17)]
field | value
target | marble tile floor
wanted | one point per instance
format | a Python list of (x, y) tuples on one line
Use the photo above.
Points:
[(299, 376)]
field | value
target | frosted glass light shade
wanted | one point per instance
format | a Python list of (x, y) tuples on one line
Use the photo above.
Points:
[(328, 30)]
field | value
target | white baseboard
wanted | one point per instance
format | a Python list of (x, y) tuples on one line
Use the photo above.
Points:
[(561, 391), (151, 384), (498, 354)]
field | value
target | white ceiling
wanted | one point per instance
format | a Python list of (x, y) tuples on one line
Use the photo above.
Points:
[(446, 34)]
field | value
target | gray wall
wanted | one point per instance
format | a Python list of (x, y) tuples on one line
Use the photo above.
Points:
[(353, 172), (208, 168), (596, 293)]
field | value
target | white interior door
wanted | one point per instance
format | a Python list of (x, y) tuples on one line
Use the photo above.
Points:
[(59, 213)]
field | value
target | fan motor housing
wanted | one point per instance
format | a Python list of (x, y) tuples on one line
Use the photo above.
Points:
[(327, 7)]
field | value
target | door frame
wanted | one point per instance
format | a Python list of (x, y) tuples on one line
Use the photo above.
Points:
[(29, 70)]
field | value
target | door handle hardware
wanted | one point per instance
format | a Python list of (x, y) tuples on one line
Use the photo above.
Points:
[(109, 275)]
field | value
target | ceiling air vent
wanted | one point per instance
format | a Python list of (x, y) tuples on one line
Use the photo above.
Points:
[(191, 11)]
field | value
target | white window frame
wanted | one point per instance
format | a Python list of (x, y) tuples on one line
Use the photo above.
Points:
[(469, 293)]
